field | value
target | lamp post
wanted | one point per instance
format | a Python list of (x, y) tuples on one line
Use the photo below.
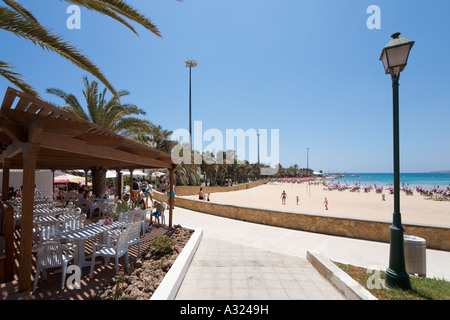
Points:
[(307, 170), (307, 161), (258, 134), (190, 64), (394, 57)]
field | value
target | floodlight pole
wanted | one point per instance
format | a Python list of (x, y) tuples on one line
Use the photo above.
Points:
[(190, 64)]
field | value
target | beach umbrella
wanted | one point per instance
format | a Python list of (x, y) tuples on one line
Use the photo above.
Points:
[(135, 173), (158, 174), (111, 174), (68, 178)]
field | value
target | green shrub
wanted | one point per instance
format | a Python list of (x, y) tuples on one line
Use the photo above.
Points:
[(162, 245)]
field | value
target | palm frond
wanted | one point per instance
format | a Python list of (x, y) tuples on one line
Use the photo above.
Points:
[(22, 27), (19, 8), (132, 126), (72, 104), (16, 78), (115, 9)]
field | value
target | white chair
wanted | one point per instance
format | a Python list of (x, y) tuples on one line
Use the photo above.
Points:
[(134, 236), (163, 218), (126, 217), (72, 224), (47, 233), (82, 217), (107, 251), (140, 216), (92, 206), (50, 255), (74, 212)]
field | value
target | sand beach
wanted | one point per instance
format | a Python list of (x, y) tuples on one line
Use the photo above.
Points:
[(415, 208)]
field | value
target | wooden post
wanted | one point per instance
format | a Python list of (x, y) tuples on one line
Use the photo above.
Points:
[(86, 178), (29, 152), (171, 198), (53, 184), (119, 183), (9, 242), (5, 181), (131, 188)]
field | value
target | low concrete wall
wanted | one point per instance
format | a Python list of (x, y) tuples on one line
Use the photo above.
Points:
[(436, 237), (193, 190)]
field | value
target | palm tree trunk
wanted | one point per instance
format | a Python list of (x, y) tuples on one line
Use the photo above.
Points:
[(98, 180)]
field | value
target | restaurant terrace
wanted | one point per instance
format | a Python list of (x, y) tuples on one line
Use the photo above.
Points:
[(37, 135)]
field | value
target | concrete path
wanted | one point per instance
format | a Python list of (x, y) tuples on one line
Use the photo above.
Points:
[(242, 260)]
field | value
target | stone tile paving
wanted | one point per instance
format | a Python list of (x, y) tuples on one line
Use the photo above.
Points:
[(223, 270)]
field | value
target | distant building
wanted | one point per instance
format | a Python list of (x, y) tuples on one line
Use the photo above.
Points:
[(43, 180)]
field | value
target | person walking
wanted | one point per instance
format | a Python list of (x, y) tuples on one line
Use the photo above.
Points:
[(326, 203), (283, 197)]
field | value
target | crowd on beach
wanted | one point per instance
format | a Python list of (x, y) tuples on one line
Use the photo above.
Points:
[(436, 192)]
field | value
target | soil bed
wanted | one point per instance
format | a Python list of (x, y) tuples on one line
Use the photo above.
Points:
[(142, 277)]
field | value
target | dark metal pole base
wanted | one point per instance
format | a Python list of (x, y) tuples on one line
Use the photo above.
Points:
[(397, 280), (396, 275)]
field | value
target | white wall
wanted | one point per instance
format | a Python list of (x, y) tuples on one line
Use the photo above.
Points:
[(44, 181)]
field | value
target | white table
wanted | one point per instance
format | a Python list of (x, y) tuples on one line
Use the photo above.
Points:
[(84, 233), (44, 219)]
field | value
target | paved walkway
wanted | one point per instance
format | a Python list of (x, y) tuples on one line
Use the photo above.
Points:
[(242, 260)]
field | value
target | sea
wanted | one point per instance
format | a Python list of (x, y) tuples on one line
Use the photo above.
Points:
[(426, 180)]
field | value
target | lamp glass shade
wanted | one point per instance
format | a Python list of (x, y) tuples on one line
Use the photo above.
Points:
[(395, 55)]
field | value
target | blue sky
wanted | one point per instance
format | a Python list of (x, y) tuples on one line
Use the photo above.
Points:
[(308, 68)]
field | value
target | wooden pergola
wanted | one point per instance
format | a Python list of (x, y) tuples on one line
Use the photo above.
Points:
[(37, 135)]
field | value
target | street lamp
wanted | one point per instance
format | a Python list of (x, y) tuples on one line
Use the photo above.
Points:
[(190, 64), (394, 57)]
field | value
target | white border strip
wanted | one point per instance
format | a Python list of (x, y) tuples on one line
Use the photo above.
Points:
[(351, 289), (168, 288)]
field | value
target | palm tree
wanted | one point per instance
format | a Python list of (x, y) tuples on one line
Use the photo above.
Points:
[(159, 139), (109, 114), (15, 18)]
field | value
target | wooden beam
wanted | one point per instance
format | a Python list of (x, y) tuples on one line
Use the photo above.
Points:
[(9, 98), (12, 150), (99, 140), (40, 103), (76, 146), (5, 138), (15, 131), (70, 128)]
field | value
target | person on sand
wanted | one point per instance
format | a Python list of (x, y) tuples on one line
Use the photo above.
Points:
[(326, 203), (200, 194), (298, 200), (207, 196), (283, 197)]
